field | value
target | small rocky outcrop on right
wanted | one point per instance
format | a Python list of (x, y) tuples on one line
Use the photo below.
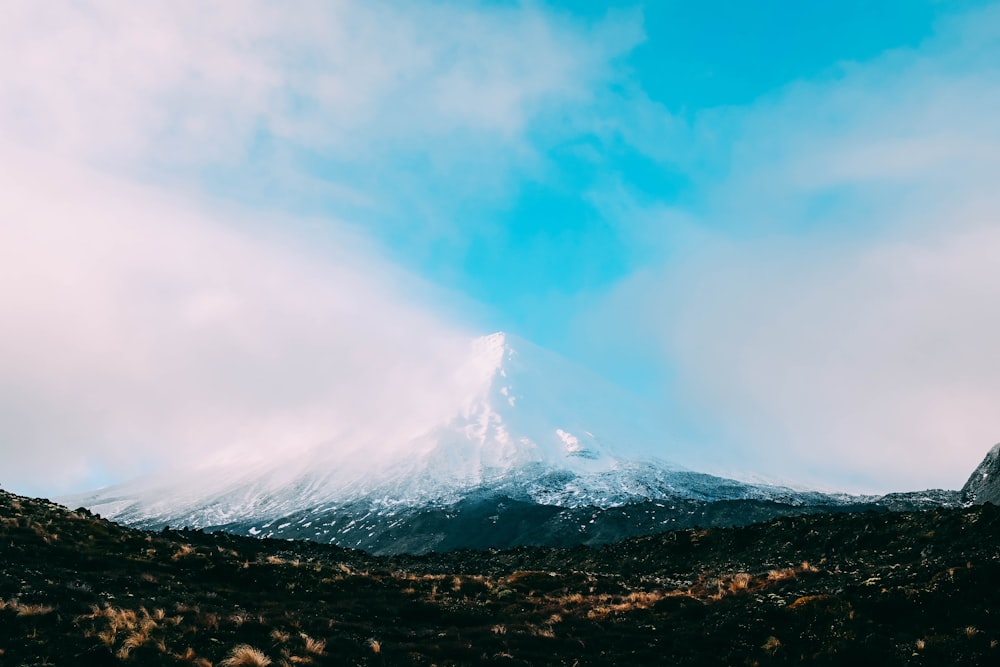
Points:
[(984, 484)]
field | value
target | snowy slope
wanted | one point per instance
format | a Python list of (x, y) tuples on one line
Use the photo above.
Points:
[(517, 410), (520, 425)]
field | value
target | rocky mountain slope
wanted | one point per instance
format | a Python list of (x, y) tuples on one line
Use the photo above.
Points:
[(887, 588), (984, 483)]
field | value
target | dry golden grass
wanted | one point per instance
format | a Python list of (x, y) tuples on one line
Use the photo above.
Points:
[(245, 655), (133, 641), (739, 582), (409, 576), (107, 637), (771, 645), (644, 599), (605, 605), (781, 575), (43, 532), (807, 600), (31, 609), (314, 646), (187, 656), (183, 551), (138, 626), (112, 614), (542, 632)]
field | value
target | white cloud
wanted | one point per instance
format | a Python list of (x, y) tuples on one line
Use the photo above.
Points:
[(139, 330), (189, 81), (830, 315), (142, 328)]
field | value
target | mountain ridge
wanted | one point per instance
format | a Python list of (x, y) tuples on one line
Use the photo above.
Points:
[(530, 440)]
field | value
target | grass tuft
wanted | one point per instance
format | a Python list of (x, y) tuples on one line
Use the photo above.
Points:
[(314, 646), (245, 655)]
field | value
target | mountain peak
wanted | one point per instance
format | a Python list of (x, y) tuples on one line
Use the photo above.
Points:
[(497, 338), (500, 347), (517, 412), (513, 413), (492, 350)]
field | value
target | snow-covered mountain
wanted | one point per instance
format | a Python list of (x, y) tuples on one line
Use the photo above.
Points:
[(525, 435)]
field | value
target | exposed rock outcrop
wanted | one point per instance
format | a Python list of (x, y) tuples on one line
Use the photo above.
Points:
[(984, 484)]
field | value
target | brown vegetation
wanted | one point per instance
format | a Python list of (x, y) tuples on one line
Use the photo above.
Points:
[(918, 585)]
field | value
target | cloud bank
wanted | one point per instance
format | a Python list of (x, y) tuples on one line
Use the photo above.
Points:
[(140, 331), (828, 313), (361, 105)]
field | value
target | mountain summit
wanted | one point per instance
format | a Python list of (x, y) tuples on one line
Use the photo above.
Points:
[(528, 406), (513, 412)]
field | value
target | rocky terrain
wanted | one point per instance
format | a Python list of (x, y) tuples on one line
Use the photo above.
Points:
[(495, 521), (874, 587), (984, 483)]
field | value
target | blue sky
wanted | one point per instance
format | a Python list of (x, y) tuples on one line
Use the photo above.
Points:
[(775, 221)]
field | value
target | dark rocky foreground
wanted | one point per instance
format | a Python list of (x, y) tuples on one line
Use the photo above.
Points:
[(887, 588)]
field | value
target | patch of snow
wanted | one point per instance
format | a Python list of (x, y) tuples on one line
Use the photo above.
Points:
[(571, 441), (569, 437)]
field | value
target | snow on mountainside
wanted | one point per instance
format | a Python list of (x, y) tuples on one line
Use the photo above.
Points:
[(517, 410), (523, 406), (522, 428)]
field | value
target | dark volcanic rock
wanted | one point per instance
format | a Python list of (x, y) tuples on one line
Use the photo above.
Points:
[(848, 588), (501, 522), (984, 484)]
